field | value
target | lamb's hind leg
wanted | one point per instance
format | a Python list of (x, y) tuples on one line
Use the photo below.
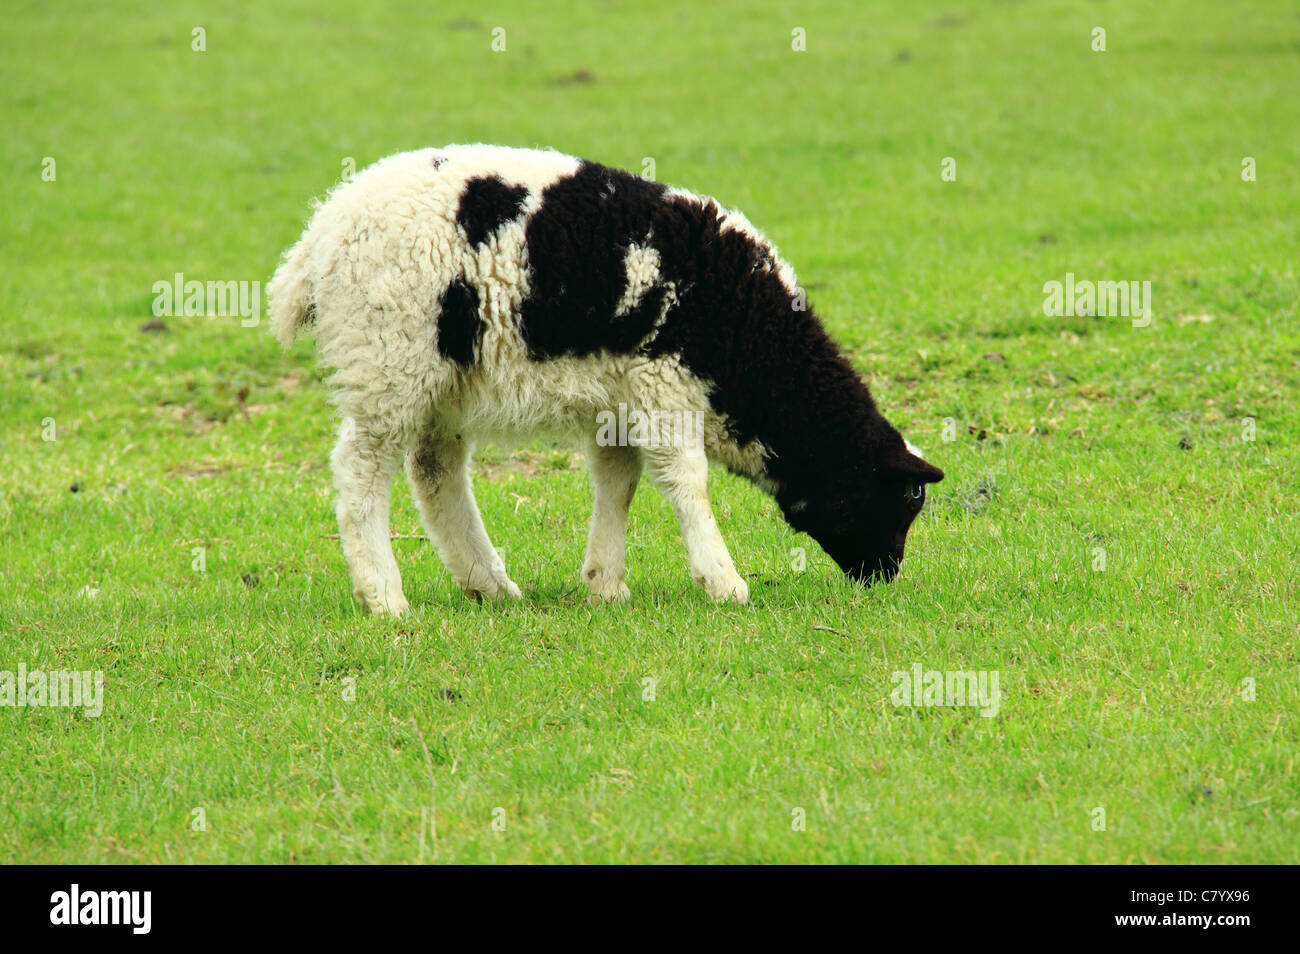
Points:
[(615, 472), (364, 466), (683, 477), (438, 468)]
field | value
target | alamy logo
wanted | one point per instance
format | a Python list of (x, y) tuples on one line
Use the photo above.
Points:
[(103, 907), (83, 690), (179, 298), (1103, 299), (951, 687), (637, 428)]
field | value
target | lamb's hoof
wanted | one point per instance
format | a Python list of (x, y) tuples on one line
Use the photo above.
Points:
[(731, 589), (607, 591), (494, 592), (382, 601), (604, 586)]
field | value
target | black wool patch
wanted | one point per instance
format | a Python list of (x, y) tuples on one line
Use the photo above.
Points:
[(578, 241), (487, 204), (459, 326)]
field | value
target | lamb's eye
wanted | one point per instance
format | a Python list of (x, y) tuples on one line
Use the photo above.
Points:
[(914, 491)]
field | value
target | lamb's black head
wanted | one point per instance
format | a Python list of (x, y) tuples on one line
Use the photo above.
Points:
[(861, 514)]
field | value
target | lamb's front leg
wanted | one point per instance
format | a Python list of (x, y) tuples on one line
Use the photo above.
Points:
[(615, 473), (438, 469), (682, 475)]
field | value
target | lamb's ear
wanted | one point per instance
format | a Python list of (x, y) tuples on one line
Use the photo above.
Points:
[(902, 461)]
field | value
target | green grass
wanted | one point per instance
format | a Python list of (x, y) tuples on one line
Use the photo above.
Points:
[(1122, 688)]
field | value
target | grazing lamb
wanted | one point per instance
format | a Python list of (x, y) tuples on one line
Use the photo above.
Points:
[(478, 291)]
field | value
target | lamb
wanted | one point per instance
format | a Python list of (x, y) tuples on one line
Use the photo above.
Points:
[(480, 291)]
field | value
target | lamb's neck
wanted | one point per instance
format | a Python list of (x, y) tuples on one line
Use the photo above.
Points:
[(805, 405)]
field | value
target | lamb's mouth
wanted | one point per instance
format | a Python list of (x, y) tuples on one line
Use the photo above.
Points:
[(882, 570), (870, 568)]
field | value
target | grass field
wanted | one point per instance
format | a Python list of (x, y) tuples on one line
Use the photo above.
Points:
[(1117, 536)]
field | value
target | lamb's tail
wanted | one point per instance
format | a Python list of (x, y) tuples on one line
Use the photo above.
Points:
[(292, 304)]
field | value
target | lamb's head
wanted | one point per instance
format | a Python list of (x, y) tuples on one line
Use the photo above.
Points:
[(860, 514)]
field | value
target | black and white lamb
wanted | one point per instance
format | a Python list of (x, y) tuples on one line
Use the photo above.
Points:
[(479, 291)]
